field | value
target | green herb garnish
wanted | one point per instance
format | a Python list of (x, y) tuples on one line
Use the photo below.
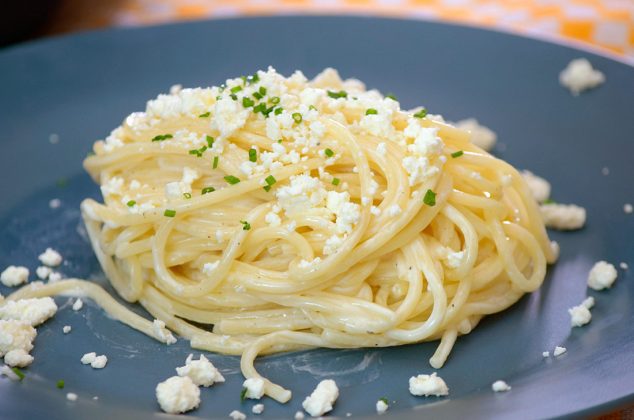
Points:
[(371, 111), (275, 100), (210, 141), (215, 164), (187, 195), (391, 96), (421, 114), (60, 384), (430, 198), (205, 115), (18, 372), (297, 117), (245, 225), (247, 102), (207, 190), (457, 154), (131, 203), (232, 179), (169, 213), (336, 95), (329, 152), (253, 155), (162, 137), (243, 394), (236, 89), (336, 181)]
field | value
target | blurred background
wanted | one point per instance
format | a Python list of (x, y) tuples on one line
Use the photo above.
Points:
[(604, 24)]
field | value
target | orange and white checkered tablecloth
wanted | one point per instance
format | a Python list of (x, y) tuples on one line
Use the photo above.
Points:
[(606, 24)]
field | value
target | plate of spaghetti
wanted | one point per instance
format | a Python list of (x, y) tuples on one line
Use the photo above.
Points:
[(262, 217)]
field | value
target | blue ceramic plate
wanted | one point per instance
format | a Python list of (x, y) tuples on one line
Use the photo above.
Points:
[(80, 87)]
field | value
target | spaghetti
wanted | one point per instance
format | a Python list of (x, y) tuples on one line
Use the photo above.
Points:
[(287, 214)]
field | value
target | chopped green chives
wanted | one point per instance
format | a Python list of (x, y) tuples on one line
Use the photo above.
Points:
[(131, 203), (371, 111), (421, 114), (243, 394), (205, 115), (329, 152), (262, 90), (275, 100), (312, 107), (162, 137), (253, 79), (247, 102), (278, 110), (279, 140), (457, 154), (245, 225), (391, 96), (236, 89), (215, 164), (232, 179), (297, 117), (198, 152), (210, 141), (187, 195), (268, 111), (207, 190), (253, 155), (261, 107), (336, 95), (257, 95), (384, 400), (430, 198), (169, 213), (270, 180), (234, 96), (60, 384), (549, 201), (18, 372), (336, 181)]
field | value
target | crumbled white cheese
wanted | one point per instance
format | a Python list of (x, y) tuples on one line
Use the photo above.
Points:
[(538, 186), (481, 136), (178, 394), (427, 385), (161, 333), (9, 373), (563, 216), (112, 186), (579, 315), (272, 219), (381, 406), (229, 116), (602, 276), (78, 304), (97, 362), (18, 358), (16, 335), (554, 247), (258, 409), (66, 329), (33, 311), (624, 266), (55, 203), (54, 276), (418, 168), (299, 415), (375, 211), (237, 415), (579, 76), (628, 208), (332, 244), (14, 276), (500, 386), (381, 149), (254, 388), (202, 372), (173, 191), (322, 398), (394, 210), (545, 354), (71, 396), (43, 272), (303, 193), (559, 351), (347, 214), (50, 257)]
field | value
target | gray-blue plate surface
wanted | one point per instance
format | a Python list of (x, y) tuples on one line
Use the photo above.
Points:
[(80, 87)]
